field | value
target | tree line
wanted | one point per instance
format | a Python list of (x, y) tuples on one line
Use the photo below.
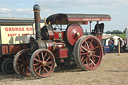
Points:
[(116, 32)]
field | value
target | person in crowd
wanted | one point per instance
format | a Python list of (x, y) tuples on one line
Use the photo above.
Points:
[(119, 40), (123, 44), (111, 43)]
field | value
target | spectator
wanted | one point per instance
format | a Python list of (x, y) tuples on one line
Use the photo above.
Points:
[(123, 44), (111, 43), (119, 40)]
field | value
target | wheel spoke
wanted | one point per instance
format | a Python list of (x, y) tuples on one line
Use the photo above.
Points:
[(38, 67), (87, 45), (45, 56), (92, 62), (45, 69), (83, 53), (38, 60), (93, 58), (48, 66), (96, 47), (48, 58), (39, 70), (42, 56), (84, 48), (91, 42), (96, 56), (85, 60), (38, 57), (48, 63), (36, 64), (82, 57)]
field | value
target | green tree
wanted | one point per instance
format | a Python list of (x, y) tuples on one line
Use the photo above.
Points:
[(116, 32), (108, 32)]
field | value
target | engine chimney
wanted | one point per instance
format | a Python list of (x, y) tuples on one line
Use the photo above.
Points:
[(36, 9)]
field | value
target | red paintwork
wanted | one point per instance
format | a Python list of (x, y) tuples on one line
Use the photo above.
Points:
[(51, 34), (58, 35), (99, 37), (72, 30), (61, 53), (89, 19)]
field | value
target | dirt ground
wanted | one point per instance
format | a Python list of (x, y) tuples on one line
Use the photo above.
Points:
[(112, 71)]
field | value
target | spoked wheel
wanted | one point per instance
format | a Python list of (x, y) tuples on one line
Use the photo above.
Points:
[(21, 62), (7, 66), (42, 63), (88, 52)]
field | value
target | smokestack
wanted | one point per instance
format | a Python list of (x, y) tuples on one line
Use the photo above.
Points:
[(36, 9)]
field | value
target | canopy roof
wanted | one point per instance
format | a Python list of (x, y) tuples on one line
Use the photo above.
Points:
[(79, 18)]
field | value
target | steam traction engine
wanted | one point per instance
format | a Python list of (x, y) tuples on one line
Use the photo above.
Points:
[(56, 45)]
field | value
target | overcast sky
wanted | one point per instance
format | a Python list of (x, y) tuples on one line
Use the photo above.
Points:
[(117, 9)]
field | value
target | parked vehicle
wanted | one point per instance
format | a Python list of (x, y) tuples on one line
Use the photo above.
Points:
[(11, 30), (57, 45)]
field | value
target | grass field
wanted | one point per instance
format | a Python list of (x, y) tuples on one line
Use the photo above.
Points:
[(122, 35)]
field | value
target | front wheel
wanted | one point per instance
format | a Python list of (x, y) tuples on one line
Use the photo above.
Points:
[(42, 63), (21, 62)]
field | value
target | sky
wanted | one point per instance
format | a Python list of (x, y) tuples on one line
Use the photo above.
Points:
[(117, 9)]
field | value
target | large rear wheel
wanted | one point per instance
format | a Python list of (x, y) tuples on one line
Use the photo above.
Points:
[(42, 63), (88, 52)]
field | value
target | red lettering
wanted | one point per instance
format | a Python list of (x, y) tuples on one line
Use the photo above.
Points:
[(9, 28), (6, 29), (16, 28), (22, 28), (12, 34), (27, 29), (31, 29), (13, 29)]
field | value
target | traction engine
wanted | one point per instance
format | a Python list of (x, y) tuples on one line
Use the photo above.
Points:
[(55, 45)]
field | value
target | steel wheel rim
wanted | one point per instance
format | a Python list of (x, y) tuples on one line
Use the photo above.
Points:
[(22, 63), (43, 63), (90, 53)]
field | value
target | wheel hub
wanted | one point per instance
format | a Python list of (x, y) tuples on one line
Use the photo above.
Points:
[(44, 63), (89, 53)]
